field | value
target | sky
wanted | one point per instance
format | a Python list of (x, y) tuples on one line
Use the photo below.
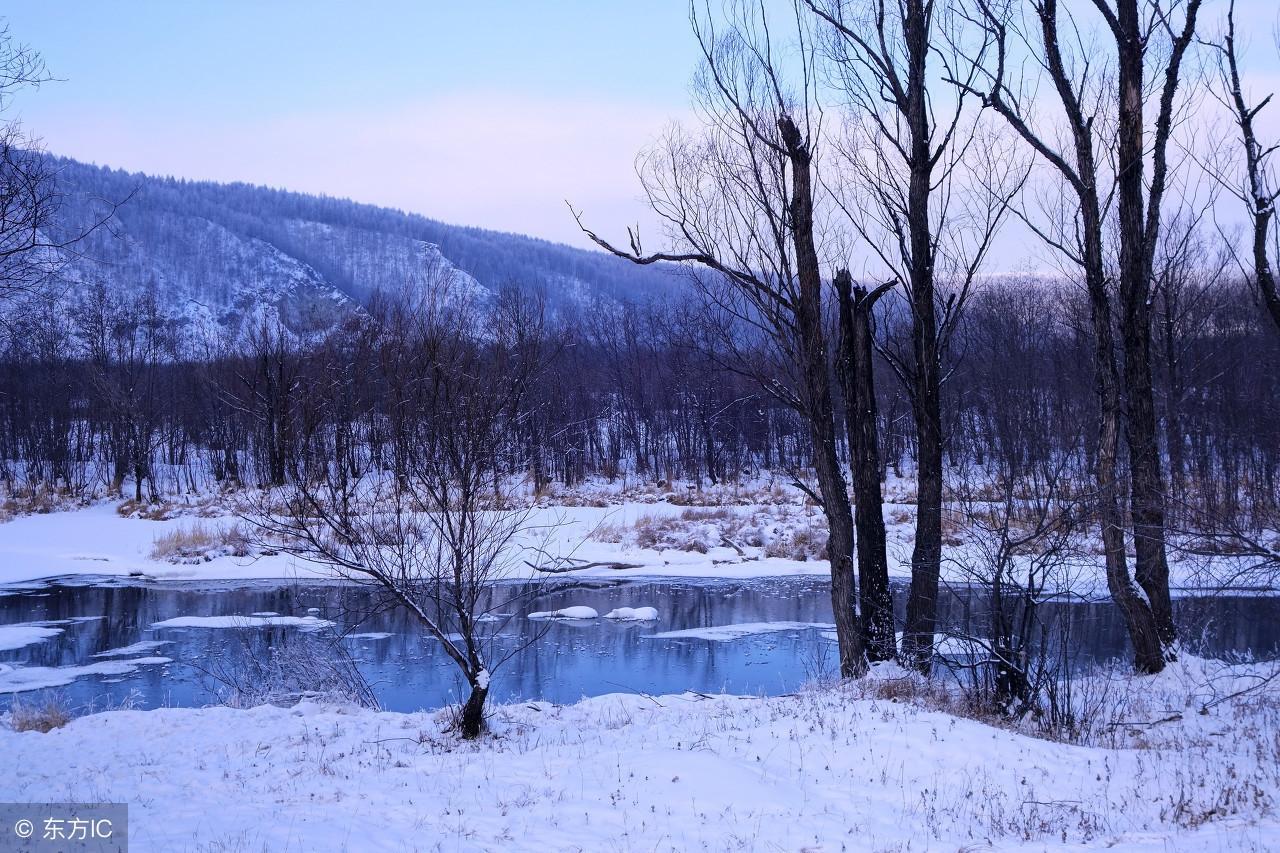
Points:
[(489, 114), (477, 113)]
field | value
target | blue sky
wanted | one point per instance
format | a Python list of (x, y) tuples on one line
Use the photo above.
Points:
[(254, 59), (481, 113)]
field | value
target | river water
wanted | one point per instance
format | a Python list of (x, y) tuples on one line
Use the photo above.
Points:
[(559, 661)]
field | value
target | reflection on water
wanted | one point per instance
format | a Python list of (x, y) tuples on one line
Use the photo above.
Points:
[(409, 671)]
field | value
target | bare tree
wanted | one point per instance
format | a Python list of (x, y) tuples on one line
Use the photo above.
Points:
[(1021, 549), (855, 366), (906, 157), (435, 531), (1017, 512), (739, 202), (1259, 189), (1140, 208), (33, 242), (1080, 80)]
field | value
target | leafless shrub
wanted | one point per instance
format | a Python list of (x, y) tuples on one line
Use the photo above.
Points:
[(295, 665), (1022, 536)]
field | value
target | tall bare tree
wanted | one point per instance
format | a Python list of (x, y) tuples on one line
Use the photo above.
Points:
[(739, 202), (1080, 74), (855, 366), (906, 155), (1135, 26)]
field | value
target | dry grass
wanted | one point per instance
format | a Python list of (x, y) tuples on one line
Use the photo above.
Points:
[(157, 511), (50, 714), (40, 500), (662, 533), (199, 543), (788, 532), (677, 493), (719, 513)]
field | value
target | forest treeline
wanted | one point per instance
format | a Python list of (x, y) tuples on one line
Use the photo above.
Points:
[(113, 399)]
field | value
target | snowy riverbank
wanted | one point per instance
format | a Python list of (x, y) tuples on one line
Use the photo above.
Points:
[(652, 538), (824, 770)]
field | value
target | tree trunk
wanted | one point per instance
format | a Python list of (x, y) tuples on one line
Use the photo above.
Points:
[(926, 556), (1264, 210), (819, 410), (1138, 616), (1262, 200), (471, 719), (1146, 502), (855, 366)]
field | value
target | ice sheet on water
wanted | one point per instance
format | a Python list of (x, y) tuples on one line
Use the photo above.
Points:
[(576, 612), (139, 648), (26, 634), (23, 678), (306, 623), (723, 633)]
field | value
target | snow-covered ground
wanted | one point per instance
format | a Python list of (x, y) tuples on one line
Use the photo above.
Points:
[(97, 541), (1187, 761), (824, 770)]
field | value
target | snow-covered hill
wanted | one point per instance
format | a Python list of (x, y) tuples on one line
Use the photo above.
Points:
[(219, 258)]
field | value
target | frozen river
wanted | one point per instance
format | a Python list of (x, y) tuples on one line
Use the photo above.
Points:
[(98, 642)]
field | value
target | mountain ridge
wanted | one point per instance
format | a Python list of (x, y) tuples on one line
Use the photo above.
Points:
[(217, 256)]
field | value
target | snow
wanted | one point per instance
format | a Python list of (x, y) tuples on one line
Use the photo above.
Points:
[(482, 679), (38, 546), (23, 678), (138, 648), (576, 612), (370, 635), (723, 633), (633, 614), (306, 623), (18, 636), (53, 545), (822, 770)]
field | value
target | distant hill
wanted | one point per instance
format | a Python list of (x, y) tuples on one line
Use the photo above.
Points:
[(218, 256)]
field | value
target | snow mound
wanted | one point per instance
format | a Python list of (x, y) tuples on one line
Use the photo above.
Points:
[(24, 678), (723, 633), (17, 636), (306, 623), (578, 612), (633, 614)]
